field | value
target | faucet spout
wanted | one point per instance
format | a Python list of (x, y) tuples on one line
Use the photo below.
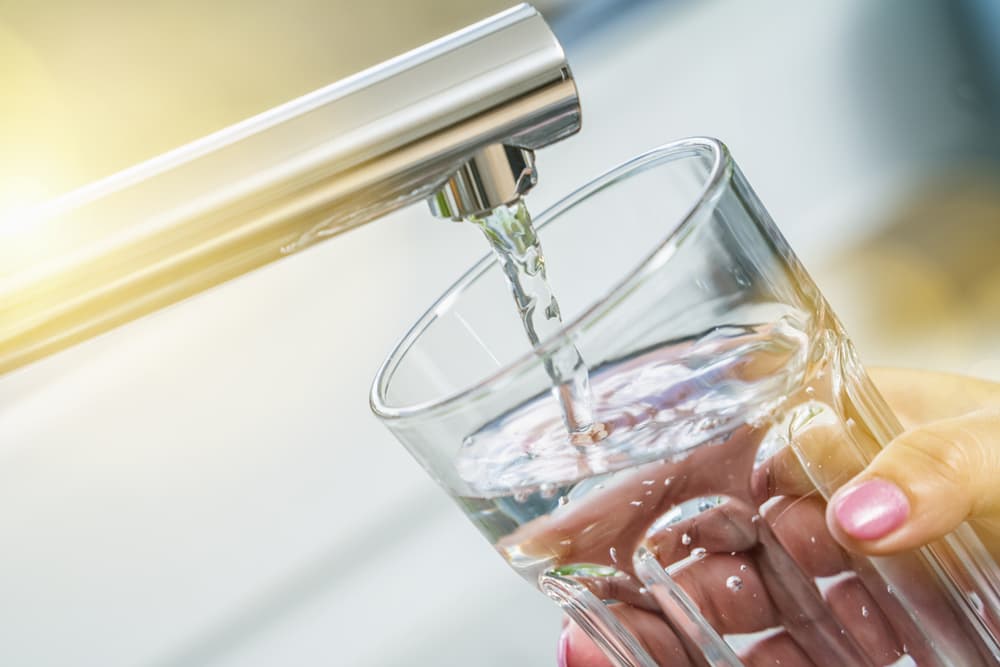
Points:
[(455, 122), (496, 175)]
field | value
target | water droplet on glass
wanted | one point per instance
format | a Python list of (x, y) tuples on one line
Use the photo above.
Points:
[(614, 554), (685, 539), (547, 490), (864, 611), (698, 552), (734, 583), (563, 500), (744, 567)]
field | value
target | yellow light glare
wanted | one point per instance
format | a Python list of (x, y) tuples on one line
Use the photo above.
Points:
[(18, 196)]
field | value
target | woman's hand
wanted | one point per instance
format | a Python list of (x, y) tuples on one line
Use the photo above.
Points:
[(943, 470)]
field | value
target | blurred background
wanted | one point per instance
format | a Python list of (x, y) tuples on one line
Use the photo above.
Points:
[(206, 486)]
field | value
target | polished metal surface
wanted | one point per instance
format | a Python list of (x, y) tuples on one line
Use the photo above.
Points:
[(495, 175), (462, 113)]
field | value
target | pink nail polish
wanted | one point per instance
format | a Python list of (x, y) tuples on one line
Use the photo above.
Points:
[(562, 652), (871, 510)]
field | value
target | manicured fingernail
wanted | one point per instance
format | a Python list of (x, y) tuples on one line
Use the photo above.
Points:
[(562, 653), (871, 510)]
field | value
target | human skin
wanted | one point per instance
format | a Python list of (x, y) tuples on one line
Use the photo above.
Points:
[(943, 470)]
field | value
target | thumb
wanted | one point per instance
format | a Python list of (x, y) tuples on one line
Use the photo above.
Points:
[(922, 486)]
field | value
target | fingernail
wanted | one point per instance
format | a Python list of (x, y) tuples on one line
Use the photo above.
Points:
[(562, 652), (871, 510)]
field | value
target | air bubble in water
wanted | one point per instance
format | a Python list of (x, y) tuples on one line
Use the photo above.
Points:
[(636, 503), (704, 505), (547, 490), (563, 500), (521, 495), (667, 481), (685, 539), (744, 567), (614, 554), (864, 611), (698, 552), (648, 482), (810, 391), (734, 583)]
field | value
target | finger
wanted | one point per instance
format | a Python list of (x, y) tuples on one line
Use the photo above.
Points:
[(727, 528), (804, 614), (857, 611), (922, 486), (576, 649), (612, 520), (916, 587), (727, 591), (778, 649), (821, 453), (799, 524), (920, 397), (620, 587)]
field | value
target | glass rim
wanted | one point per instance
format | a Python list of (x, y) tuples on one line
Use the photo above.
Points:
[(716, 179)]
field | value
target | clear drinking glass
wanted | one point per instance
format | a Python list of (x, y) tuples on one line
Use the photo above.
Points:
[(694, 533)]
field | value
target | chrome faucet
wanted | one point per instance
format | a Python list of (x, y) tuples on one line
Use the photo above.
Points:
[(454, 122)]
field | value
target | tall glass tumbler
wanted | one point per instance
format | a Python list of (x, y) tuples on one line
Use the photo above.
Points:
[(734, 406)]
